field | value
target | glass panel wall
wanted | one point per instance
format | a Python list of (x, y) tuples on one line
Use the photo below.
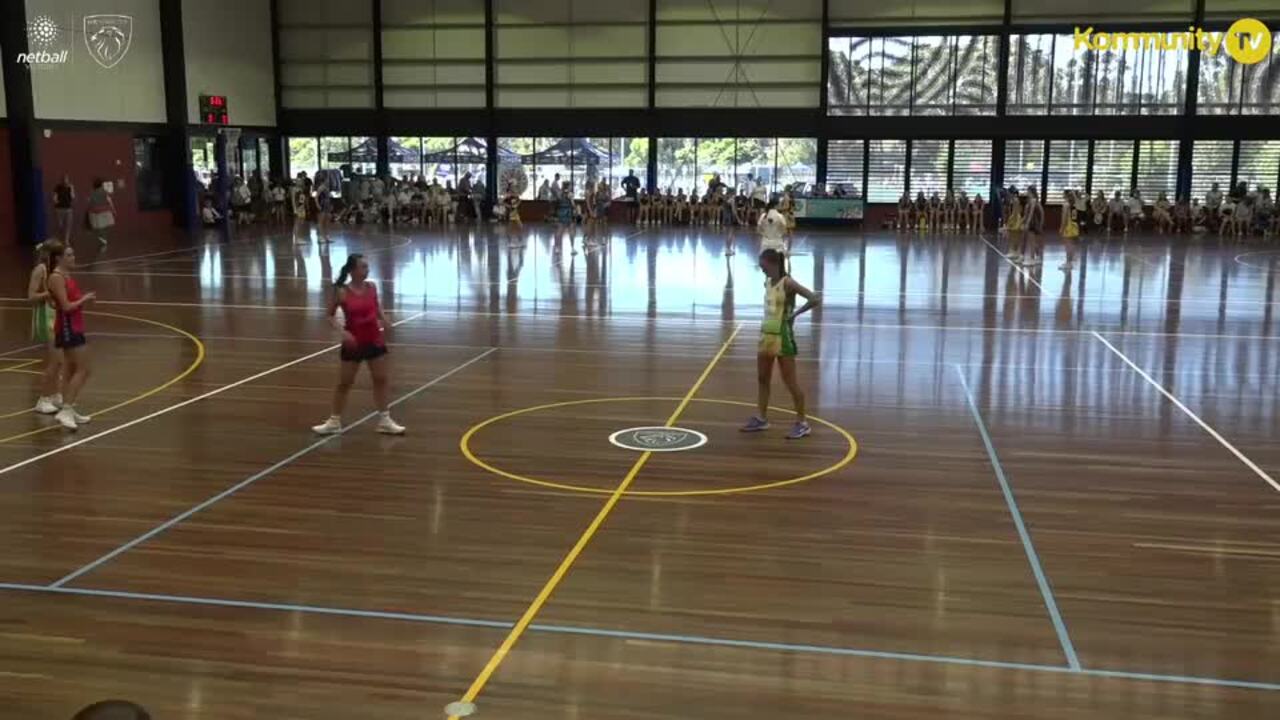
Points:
[(1211, 163), (925, 75), (971, 167), (1047, 75), (886, 171)]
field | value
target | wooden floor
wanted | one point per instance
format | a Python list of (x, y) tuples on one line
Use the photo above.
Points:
[(1063, 501)]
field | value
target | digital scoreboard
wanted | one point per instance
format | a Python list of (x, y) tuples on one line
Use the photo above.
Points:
[(213, 110)]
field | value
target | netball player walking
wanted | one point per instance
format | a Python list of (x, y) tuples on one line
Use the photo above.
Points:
[(1069, 229), (362, 341), (42, 328), (1033, 238), (777, 342), (68, 331)]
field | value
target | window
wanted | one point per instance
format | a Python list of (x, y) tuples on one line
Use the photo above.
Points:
[(798, 163), (326, 53), (569, 53), (528, 162), (1113, 167), (264, 156), (1210, 163), (926, 75), (304, 155), (886, 171), (1157, 169), (929, 160), (1030, 61), (433, 53), (202, 157), (1259, 164), (677, 162), (1023, 163), (1068, 166), (148, 170), (746, 53), (629, 154), (1048, 75), (971, 167), (844, 164), (404, 156), (1230, 88)]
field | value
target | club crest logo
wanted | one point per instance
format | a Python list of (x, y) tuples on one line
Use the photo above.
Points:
[(108, 37), (658, 439)]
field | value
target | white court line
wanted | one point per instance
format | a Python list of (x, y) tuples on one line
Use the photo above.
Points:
[(166, 410), (259, 475), (1204, 425), (1013, 264), (640, 317), (689, 351), (1238, 261)]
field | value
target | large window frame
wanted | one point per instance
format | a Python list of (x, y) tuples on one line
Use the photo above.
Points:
[(861, 80)]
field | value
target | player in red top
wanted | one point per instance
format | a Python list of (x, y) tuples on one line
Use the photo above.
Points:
[(362, 341), (68, 332)]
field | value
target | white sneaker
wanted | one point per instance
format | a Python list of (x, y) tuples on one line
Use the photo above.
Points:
[(80, 419), (56, 399), (332, 426), (66, 419), (46, 406), (1016, 257), (387, 426)]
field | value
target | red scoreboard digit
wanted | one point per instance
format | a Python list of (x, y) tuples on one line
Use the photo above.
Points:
[(213, 110)]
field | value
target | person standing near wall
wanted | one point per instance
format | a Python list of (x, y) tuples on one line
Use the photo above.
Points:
[(64, 200), (102, 211)]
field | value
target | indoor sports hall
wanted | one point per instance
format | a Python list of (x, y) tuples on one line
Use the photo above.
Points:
[(669, 359)]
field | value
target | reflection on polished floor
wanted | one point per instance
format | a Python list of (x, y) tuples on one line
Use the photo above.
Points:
[(1031, 494)]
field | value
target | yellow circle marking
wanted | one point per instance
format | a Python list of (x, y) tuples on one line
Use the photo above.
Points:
[(1248, 41), (465, 446), (200, 353)]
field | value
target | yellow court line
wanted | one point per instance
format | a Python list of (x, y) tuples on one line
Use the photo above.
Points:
[(20, 365), (200, 353), (20, 370), (536, 606), (465, 446)]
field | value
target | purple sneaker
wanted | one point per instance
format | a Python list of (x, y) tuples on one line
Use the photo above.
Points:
[(755, 424), (799, 430)]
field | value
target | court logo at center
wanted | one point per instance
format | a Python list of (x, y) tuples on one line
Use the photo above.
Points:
[(108, 38), (658, 439)]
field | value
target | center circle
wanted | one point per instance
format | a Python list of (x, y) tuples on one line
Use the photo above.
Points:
[(658, 438), (464, 445)]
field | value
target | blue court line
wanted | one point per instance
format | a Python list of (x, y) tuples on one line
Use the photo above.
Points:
[(256, 477), (1045, 590), (642, 636)]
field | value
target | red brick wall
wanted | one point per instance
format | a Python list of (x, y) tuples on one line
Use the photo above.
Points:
[(108, 154)]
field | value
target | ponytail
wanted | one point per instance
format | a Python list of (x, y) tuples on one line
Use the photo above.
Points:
[(352, 261)]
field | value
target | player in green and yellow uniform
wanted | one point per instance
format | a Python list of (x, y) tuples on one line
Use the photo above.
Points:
[(777, 341)]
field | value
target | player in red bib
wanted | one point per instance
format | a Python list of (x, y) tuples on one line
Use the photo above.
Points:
[(362, 341), (68, 332)]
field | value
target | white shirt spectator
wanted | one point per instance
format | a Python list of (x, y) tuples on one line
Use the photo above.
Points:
[(1213, 199), (760, 191), (772, 226)]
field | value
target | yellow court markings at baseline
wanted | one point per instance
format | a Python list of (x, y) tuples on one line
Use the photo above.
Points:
[(466, 705), (465, 446), (195, 363)]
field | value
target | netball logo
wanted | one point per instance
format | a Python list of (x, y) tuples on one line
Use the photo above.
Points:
[(658, 439), (108, 38)]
